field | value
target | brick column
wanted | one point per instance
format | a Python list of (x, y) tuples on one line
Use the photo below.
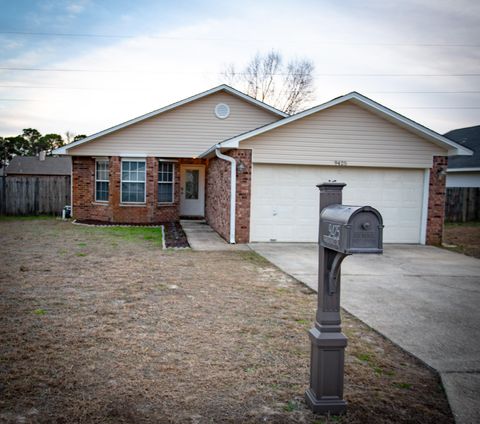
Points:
[(244, 185), (151, 187), (83, 186), (217, 196), (436, 200), (217, 201), (114, 177)]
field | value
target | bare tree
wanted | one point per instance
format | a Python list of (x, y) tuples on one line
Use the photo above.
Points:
[(69, 136), (287, 87)]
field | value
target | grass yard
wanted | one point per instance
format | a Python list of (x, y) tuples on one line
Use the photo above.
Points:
[(152, 234), (100, 325), (463, 238)]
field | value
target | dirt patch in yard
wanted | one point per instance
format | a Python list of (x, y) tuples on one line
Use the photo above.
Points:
[(463, 238), (97, 328)]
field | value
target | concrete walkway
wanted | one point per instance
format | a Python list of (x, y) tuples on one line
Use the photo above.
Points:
[(425, 299), (200, 236)]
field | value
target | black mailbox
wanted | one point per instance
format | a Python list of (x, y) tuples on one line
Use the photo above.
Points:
[(344, 230), (351, 229)]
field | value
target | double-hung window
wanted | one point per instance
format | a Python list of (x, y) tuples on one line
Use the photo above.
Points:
[(165, 182), (101, 180), (133, 181)]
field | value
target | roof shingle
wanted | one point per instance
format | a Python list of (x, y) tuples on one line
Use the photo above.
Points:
[(468, 137), (32, 165)]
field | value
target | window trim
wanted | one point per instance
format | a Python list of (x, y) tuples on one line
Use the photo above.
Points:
[(97, 160), (160, 162), (133, 159)]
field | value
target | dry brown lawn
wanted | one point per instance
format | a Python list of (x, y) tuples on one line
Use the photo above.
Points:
[(100, 328), (463, 238)]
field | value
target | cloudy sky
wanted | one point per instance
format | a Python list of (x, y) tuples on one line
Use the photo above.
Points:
[(85, 65)]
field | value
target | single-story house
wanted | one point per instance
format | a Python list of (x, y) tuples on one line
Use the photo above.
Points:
[(251, 171), (464, 171), (40, 165)]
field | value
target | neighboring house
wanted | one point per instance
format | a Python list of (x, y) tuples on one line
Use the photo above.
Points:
[(252, 170), (39, 166), (36, 185), (464, 171)]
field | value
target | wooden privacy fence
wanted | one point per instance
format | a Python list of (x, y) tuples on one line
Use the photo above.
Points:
[(462, 204), (34, 195)]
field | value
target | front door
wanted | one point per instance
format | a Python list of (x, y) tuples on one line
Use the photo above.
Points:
[(192, 190)]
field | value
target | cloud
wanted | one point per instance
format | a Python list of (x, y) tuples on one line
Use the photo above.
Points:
[(149, 72), (76, 7)]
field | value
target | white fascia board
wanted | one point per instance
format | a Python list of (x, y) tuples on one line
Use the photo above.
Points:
[(452, 147), (127, 155), (463, 170), (252, 100), (232, 144), (222, 87), (207, 154), (210, 152), (59, 151)]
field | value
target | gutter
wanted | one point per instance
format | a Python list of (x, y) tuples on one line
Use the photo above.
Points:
[(233, 189), (60, 151), (471, 169)]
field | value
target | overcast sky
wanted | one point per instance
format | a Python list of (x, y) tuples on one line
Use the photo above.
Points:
[(85, 65)]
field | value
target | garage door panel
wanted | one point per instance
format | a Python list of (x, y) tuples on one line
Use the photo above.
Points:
[(285, 200)]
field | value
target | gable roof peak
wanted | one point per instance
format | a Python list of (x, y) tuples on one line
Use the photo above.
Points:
[(369, 104), (222, 87)]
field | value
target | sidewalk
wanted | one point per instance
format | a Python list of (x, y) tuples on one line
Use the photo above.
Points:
[(201, 237)]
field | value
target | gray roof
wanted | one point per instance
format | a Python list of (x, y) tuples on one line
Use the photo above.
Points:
[(32, 165), (470, 138)]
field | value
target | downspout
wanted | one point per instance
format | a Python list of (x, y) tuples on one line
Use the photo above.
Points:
[(71, 187), (233, 190)]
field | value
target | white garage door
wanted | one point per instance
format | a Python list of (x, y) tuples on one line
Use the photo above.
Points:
[(285, 200)]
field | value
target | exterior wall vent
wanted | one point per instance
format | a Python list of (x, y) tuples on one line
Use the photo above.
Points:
[(222, 111)]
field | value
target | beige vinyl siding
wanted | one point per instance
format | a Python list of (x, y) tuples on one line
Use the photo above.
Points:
[(345, 132), (185, 131)]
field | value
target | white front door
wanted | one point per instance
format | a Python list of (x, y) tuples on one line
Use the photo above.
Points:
[(192, 190)]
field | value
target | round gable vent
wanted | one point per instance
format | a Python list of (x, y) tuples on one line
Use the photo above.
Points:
[(222, 111)]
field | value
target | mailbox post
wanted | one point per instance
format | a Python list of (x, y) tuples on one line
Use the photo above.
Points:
[(343, 230)]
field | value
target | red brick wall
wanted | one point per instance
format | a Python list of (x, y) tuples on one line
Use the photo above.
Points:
[(85, 207), (83, 170), (217, 198), (436, 200), (244, 184), (217, 207)]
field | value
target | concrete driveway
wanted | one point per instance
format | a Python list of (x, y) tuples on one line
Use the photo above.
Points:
[(425, 299)]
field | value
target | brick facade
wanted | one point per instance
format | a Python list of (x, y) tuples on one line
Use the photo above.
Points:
[(244, 186), (217, 207), (217, 195), (217, 199), (436, 200), (85, 207)]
